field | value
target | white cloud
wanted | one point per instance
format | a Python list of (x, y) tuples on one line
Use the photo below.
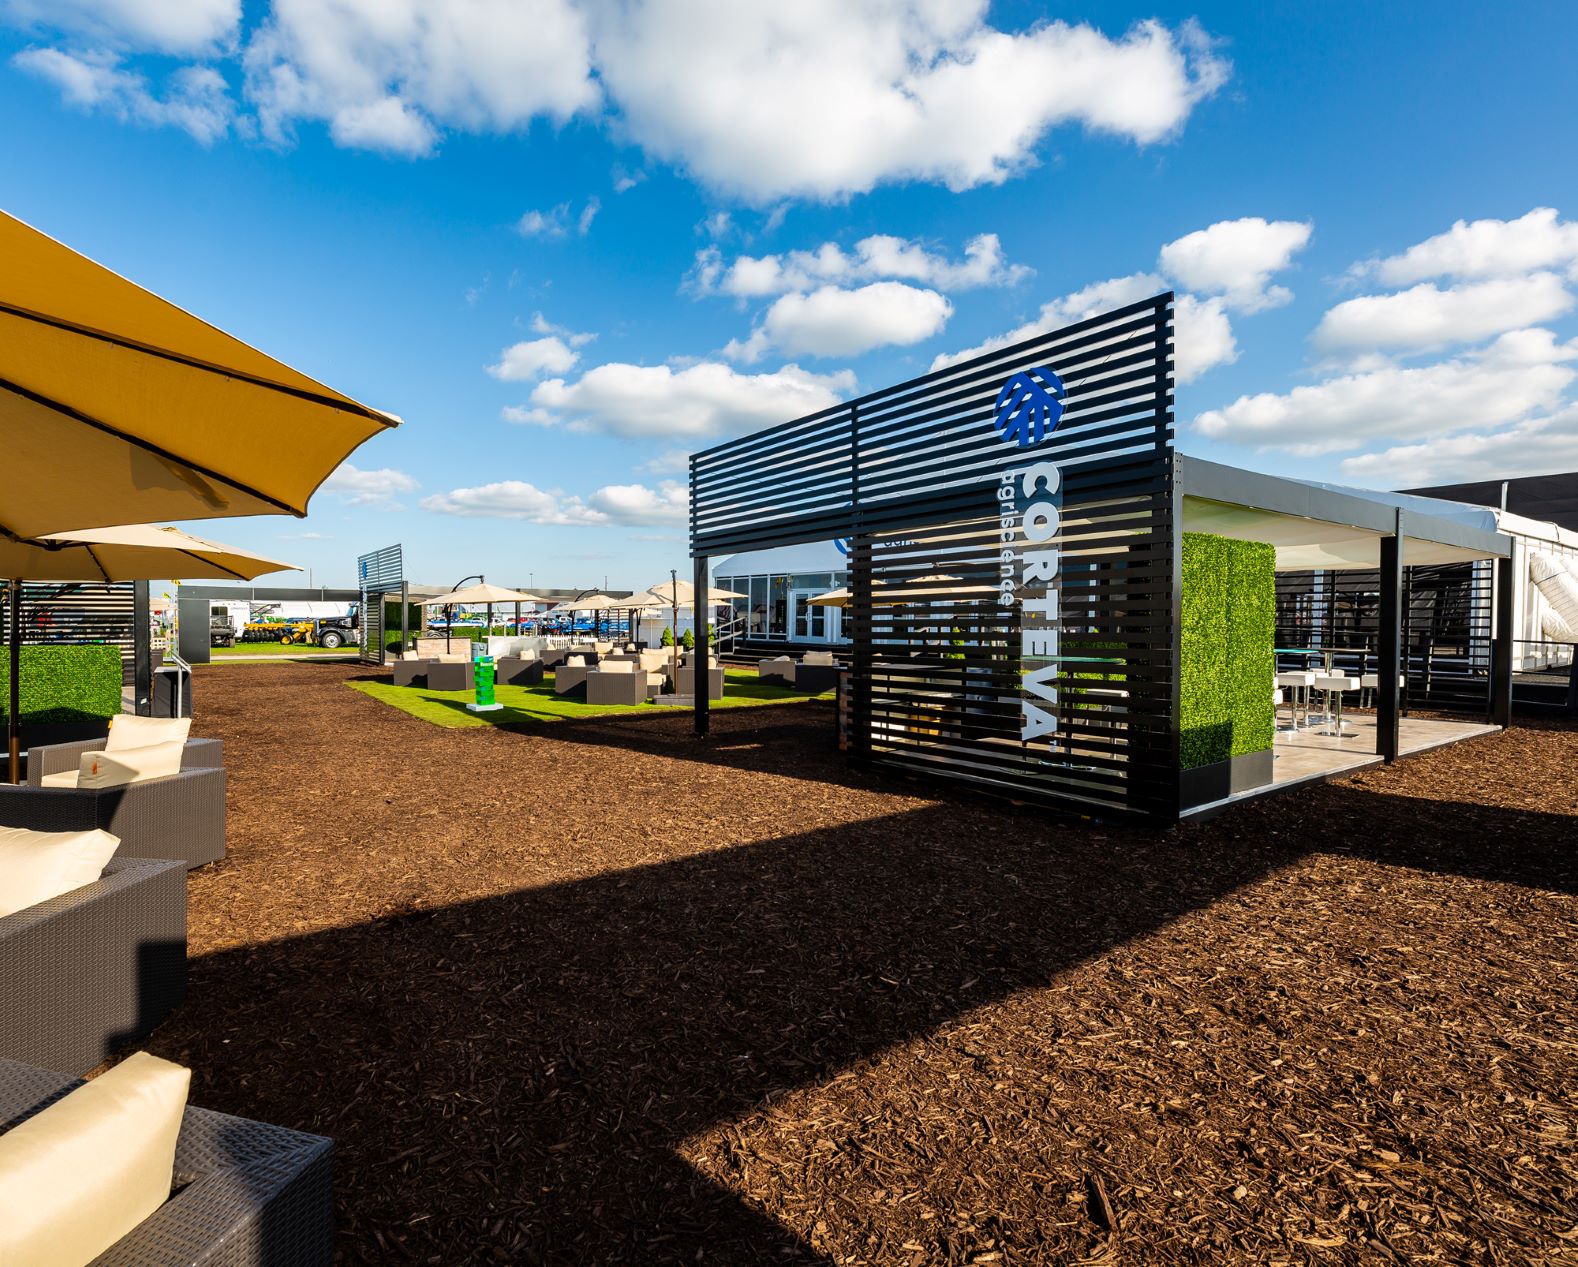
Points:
[(625, 180), (544, 224), (528, 417), (1235, 259), (523, 361), (826, 98), (1521, 373), (820, 98), (162, 26), (575, 338), (1486, 248), (879, 256), (196, 99), (698, 401), (1535, 447), (555, 222), (1202, 333), (1425, 316), (368, 488), (669, 503), (392, 74), (832, 321)]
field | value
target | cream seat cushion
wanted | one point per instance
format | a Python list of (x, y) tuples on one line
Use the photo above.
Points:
[(617, 666), (817, 657), (83, 1173), (130, 765), (575, 662), (129, 731), (36, 866)]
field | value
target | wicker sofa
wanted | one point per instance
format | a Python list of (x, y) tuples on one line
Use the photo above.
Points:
[(93, 968), (178, 816), (60, 758), (247, 1194)]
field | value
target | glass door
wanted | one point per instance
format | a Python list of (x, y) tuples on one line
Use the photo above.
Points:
[(810, 622)]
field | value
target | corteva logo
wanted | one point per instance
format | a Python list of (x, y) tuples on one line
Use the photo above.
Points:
[(1029, 407), (1030, 507)]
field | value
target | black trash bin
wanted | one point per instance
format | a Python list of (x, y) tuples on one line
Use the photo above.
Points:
[(172, 691)]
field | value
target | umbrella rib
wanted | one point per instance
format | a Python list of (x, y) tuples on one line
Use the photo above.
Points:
[(209, 563), (96, 562), (137, 442), (192, 362)]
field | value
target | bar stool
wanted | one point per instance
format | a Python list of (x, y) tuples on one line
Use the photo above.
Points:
[(1297, 681), (1369, 683), (1335, 684)]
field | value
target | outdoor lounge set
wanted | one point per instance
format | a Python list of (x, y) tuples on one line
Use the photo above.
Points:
[(93, 958), (816, 671)]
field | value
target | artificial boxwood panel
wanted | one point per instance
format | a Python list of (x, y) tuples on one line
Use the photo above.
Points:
[(1229, 626), (64, 684)]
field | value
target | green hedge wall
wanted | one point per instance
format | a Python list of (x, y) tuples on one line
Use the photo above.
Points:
[(64, 684), (1229, 627)]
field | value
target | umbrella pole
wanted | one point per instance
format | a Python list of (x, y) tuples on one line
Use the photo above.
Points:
[(13, 717)]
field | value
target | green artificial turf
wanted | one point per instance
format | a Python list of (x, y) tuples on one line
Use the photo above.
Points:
[(742, 689)]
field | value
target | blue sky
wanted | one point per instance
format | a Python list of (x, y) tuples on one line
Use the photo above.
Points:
[(604, 202)]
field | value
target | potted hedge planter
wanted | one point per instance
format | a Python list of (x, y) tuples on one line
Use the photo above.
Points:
[(68, 693)]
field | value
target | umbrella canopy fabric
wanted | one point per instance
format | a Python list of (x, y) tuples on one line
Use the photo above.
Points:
[(916, 589), (592, 603), (117, 406), (681, 593), (481, 594), (135, 552)]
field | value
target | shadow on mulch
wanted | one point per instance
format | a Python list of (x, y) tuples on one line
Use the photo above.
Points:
[(508, 1080), (521, 1078)]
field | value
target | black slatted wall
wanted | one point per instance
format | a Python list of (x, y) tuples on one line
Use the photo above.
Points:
[(62, 613), (912, 476), (1446, 627)]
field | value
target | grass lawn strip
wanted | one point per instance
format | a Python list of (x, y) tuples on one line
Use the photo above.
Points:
[(540, 704)]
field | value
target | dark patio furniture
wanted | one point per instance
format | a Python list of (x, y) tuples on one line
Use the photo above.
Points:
[(514, 671), (553, 656), (177, 816), (94, 968), (411, 672), (687, 681), (616, 688), (449, 677), (248, 1194), (776, 672), (58, 758), (570, 679), (815, 678)]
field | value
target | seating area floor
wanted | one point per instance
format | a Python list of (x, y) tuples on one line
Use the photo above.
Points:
[(1309, 753), (601, 992)]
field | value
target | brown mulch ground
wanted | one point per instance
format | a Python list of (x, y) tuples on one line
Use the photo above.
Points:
[(601, 993)]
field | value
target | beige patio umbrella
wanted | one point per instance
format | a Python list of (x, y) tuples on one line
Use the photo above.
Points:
[(674, 594), (116, 406), (941, 589), (593, 603), (134, 552), (480, 593)]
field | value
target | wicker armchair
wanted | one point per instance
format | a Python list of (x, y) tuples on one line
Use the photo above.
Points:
[(246, 1194), (93, 968), (518, 671), (179, 816), (58, 758)]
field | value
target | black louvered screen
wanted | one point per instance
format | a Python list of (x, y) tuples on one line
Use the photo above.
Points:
[(65, 613), (952, 676)]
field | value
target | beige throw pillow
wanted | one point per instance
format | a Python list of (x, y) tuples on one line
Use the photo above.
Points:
[(129, 731), (36, 866), (617, 666), (77, 1177), (130, 765)]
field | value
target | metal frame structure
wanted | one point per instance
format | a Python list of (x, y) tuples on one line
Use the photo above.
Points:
[(1015, 529), (379, 574)]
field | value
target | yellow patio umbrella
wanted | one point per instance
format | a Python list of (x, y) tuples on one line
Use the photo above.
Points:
[(117, 406), (133, 552)]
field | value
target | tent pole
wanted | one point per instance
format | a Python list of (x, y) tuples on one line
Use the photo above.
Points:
[(13, 716)]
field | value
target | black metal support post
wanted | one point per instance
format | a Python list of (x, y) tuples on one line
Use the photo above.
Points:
[(1389, 665), (1501, 648), (700, 676), (14, 711), (142, 650)]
